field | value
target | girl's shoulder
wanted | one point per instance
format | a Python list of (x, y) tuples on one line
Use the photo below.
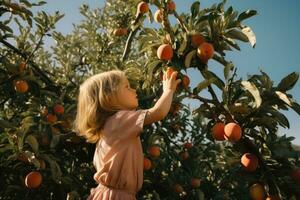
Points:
[(124, 121)]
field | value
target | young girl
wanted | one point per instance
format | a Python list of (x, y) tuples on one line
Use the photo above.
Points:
[(107, 116)]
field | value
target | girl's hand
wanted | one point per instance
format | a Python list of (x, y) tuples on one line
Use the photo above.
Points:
[(169, 81)]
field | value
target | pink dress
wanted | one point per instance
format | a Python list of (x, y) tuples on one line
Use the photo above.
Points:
[(118, 157)]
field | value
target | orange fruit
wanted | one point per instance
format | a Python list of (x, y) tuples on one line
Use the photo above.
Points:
[(175, 107), (233, 132), (257, 192), (120, 32), (66, 124), (44, 111), (273, 197), (33, 179), (184, 155), (195, 182), (218, 131), (22, 157), (205, 51), (42, 164), (158, 16), (197, 39), (51, 118), (147, 164), (178, 188), (21, 86), (154, 151), (171, 5), (58, 109), (188, 145), (185, 81), (249, 162), (295, 175), (55, 131), (165, 52), (22, 66), (45, 140), (142, 7), (170, 71)]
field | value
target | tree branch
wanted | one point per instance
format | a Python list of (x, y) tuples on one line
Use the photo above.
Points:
[(43, 76)]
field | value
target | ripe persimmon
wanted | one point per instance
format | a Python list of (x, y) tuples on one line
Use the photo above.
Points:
[(171, 5), (158, 16), (273, 197), (184, 155), (21, 86), (147, 164), (33, 179), (188, 145), (44, 111), (233, 132), (218, 131), (42, 164), (58, 109), (295, 175), (22, 157), (51, 118), (142, 7), (185, 81), (195, 182), (175, 107), (170, 71), (165, 52), (178, 188), (205, 51), (197, 39), (45, 140), (249, 162), (257, 192), (120, 32), (154, 151), (22, 66)]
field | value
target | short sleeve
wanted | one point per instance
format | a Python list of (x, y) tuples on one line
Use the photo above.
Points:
[(127, 123)]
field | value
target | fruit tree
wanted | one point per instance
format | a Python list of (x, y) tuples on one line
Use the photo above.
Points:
[(226, 148)]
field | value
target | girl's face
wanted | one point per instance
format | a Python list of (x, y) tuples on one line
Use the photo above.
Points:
[(127, 96)]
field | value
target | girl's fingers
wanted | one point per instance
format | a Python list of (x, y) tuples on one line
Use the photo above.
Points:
[(174, 74), (178, 81), (165, 76)]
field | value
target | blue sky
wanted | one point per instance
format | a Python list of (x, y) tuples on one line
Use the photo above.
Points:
[(277, 29)]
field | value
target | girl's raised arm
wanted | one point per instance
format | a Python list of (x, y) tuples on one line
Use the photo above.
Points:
[(160, 110)]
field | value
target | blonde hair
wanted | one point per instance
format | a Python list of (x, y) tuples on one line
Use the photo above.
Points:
[(94, 106)]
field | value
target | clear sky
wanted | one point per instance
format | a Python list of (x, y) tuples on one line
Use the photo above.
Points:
[(277, 29)]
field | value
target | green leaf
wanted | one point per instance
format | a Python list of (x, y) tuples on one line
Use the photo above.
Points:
[(283, 121), (288, 82), (284, 98), (250, 34), (32, 141), (253, 90), (236, 34), (296, 107), (5, 124), (195, 8), (232, 43), (227, 69), (55, 169), (204, 84), (5, 28), (246, 14), (7, 147), (218, 82)]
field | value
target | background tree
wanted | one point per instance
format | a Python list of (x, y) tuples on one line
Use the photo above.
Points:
[(228, 148)]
